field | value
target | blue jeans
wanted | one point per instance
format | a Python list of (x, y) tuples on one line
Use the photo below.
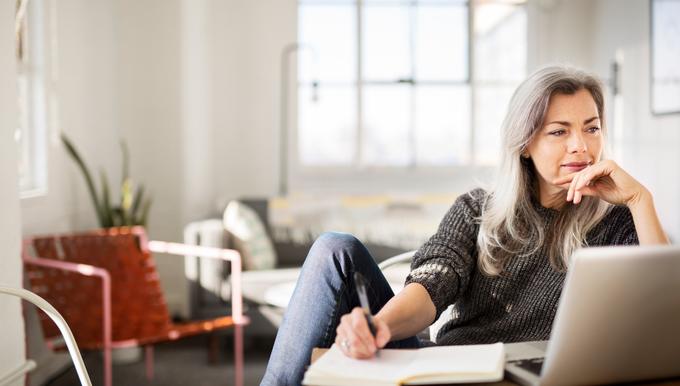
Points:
[(324, 292)]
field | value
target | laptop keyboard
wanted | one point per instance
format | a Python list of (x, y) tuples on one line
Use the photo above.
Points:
[(531, 365)]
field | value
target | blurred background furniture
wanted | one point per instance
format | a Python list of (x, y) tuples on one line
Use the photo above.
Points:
[(64, 329), (105, 284), (286, 230)]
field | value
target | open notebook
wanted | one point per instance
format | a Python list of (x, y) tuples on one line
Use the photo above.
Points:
[(431, 365)]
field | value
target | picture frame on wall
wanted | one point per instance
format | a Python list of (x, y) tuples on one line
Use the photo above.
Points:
[(665, 57)]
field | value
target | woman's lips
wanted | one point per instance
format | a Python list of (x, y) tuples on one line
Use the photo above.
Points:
[(573, 167)]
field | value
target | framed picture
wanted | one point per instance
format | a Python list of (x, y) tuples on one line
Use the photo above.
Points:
[(665, 56)]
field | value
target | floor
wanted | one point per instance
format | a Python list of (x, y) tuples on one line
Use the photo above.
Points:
[(180, 363)]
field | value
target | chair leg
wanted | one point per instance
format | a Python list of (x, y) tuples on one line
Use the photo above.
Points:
[(213, 348), (238, 355), (108, 381), (148, 360)]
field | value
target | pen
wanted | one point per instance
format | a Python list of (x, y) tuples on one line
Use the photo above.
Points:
[(360, 283)]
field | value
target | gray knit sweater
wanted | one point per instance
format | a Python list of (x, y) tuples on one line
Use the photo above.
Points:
[(519, 305)]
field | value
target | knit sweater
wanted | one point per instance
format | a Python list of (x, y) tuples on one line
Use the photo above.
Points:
[(519, 305)]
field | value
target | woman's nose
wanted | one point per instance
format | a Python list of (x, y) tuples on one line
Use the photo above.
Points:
[(576, 143)]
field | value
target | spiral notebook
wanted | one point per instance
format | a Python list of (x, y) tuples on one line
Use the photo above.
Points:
[(431, 365)]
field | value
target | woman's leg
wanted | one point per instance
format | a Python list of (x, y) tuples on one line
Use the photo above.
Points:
[(324, 292)]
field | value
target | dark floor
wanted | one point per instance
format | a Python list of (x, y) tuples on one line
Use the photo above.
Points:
[(180, 363)]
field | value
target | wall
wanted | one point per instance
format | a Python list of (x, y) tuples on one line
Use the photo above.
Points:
[(83, 67), (248, 39), (11, 323), (648, 144)]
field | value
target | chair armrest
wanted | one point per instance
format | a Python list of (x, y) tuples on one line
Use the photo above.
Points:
[(401, 258), (230, 255), (61, 324), (86, 270)]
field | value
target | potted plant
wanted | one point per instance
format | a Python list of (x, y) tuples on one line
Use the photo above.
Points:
[(132, 208)]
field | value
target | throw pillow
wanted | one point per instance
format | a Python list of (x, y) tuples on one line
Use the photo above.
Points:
[(249, 236)]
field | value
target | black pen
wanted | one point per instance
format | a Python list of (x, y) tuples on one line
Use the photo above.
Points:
[(360, 283)]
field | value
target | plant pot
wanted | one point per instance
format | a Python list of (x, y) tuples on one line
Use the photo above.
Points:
[(126, 355)]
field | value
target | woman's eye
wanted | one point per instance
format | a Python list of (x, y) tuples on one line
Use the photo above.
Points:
[(557, 133), (593, 129)]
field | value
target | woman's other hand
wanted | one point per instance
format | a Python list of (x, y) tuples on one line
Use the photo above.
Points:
[(605, 180), (354, 337)]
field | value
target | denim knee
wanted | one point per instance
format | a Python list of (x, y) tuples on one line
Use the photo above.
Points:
[(335, 247)]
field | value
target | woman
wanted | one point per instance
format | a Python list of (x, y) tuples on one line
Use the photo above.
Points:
[(500, 255)]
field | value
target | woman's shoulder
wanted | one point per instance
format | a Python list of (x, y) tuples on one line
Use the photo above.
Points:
[(472, 200)]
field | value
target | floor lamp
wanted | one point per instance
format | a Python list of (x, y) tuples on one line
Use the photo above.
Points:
[(283, 114)]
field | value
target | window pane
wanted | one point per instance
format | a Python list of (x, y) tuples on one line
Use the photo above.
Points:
[(327, 125), (492, 104), (442, 125), (385, 51), (500, 42), (327, 34), (441, 43), (387, 116)]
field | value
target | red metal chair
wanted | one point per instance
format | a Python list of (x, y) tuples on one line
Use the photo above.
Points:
[(105, 284)]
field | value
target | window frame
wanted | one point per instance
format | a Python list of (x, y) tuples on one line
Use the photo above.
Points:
[(361, 177), (34, 120)]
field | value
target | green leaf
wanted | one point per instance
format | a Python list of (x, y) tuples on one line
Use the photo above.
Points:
[(126, 160), (73, 153), (106, 202), (136, 203), (145, 212)]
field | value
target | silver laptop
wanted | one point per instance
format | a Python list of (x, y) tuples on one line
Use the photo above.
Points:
[(618, 321)]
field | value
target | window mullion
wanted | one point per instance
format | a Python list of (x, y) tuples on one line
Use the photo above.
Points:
[(413, 93), (471, 79), (358, 158)]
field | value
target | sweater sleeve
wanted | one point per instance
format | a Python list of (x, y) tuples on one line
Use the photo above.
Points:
[(622, 227), (444, 264)]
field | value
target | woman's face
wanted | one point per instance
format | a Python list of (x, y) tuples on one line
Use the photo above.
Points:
[(569, 140)]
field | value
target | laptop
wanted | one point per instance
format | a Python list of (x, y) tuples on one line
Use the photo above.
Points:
[(618, 321)]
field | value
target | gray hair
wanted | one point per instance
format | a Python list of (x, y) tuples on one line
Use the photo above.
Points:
[(510, 221)]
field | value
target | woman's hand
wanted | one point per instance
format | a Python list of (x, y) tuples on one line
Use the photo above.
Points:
[(354, 337), (605, 180)]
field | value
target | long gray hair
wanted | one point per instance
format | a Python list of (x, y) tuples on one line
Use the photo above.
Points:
[(510, 221)]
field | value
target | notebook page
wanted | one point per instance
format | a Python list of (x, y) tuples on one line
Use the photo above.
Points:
[(389, 365), (473, 359)]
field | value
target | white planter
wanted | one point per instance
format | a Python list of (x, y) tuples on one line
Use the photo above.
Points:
[(126, 355)]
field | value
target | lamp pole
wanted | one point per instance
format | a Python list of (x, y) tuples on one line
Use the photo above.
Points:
[(283, 114)]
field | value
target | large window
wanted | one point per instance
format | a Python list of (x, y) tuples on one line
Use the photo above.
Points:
[(405, 83), (31, 131)]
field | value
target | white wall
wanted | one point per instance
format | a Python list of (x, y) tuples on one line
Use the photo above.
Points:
[(85, 90), (12, 353), (248, 39)]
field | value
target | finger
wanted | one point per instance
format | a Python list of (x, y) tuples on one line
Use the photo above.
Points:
[(570, 191), (588, 191), (361, 330), (355, 347), (564, 179), (383, 334)]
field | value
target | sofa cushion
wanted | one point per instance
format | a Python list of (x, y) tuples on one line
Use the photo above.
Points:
[(249, 236)]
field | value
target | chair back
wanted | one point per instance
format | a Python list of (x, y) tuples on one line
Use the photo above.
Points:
[(138, 307)]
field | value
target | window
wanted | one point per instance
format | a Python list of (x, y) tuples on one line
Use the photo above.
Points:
[(405, 84), (31, 131)]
